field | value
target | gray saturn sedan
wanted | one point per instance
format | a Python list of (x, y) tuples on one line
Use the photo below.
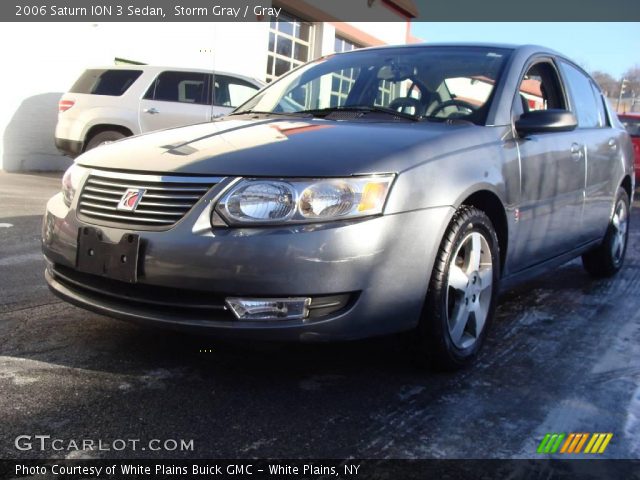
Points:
[(365, 193)]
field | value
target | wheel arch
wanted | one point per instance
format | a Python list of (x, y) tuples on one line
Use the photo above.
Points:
[(627, 185), (104, 127), (491, 204)]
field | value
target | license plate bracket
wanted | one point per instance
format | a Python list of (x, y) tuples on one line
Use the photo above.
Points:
[(97, 256)]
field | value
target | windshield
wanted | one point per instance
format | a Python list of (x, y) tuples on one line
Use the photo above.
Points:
[(437, 83)]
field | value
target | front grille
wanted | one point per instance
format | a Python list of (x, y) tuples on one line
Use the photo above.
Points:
[(181, 303), (140, 292), (178, 304), (166, 199)]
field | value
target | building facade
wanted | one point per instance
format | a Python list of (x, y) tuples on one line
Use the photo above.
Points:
[(48, 57)]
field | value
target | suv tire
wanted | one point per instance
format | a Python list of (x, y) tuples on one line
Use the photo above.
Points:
[(102, 138)]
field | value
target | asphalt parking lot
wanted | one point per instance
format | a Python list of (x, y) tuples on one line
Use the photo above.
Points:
[(563, 356)]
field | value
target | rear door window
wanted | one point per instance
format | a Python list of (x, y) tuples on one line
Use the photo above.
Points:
[(232, 92), (585, 104), (181, 87), (105, 82)]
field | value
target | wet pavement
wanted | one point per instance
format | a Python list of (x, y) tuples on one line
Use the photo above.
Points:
[(563, 356)]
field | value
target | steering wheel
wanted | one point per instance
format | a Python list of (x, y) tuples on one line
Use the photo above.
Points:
[(454, 102), (400, 103)]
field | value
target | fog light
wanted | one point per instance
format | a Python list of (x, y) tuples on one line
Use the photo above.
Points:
[(269, 308)]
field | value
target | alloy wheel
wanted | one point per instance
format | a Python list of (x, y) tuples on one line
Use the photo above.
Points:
[(620, 224), (469, 287)]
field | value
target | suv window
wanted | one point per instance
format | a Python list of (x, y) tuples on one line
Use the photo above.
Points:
[(585, 104), (540, 89), (232, 92), (105, 82), (182, 87)]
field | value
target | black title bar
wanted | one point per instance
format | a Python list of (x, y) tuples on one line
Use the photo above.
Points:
[(325, 10), (551, 469)]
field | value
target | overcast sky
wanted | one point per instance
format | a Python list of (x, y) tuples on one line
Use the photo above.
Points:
[(612, 47)]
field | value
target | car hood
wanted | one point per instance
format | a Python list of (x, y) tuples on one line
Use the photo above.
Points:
[(296, 147)]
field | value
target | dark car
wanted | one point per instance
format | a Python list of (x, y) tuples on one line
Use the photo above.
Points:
[(365, 193), (631, 122)]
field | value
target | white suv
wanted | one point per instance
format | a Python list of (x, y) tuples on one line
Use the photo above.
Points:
[(109, 103)]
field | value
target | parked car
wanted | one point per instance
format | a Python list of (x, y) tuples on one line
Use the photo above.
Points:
[(109, 103), (414, 183), (631, 122)]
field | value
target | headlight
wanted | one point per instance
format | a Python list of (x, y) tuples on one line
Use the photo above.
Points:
[(260, 201), (71, 182), (265, 201)]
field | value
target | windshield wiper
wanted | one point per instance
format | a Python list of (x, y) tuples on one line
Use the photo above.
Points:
[(323, 112), (260, 112)]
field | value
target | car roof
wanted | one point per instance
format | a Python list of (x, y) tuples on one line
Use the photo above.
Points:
[(162, 68), (629, 114), (526, 48)]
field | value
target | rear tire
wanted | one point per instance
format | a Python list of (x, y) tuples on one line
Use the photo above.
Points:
[(103, 138), (607, 258), (462, 292)]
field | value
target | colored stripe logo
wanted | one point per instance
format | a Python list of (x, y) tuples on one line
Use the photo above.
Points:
[(596, 443)]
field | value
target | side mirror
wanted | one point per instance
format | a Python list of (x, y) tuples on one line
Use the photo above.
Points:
[(546, 121)]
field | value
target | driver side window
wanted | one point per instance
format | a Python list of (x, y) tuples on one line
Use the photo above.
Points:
[(539, 90)]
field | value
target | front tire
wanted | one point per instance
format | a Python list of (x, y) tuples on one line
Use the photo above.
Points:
[(462, 294), (607, 258)]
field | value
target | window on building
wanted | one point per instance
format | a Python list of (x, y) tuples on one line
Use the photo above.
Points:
[(344, 45), (386, 91), (342, 81), (289, 45)]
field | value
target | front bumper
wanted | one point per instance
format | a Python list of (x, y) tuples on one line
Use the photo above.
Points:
[(383, 264), (71, 148)]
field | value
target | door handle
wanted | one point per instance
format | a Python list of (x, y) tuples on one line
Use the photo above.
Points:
[(151, 111), (613, 145), (576, 151)]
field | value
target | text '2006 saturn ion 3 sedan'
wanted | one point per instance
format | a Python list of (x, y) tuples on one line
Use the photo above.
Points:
[(376, 191)]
